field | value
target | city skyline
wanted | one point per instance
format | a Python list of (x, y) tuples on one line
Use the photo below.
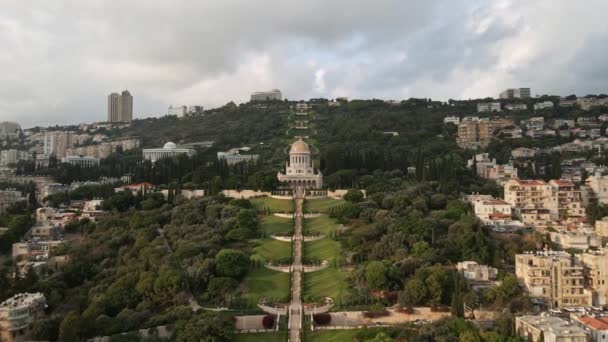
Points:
[(173, 53)]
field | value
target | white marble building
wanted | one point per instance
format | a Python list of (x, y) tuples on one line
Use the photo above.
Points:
[(299, 170)]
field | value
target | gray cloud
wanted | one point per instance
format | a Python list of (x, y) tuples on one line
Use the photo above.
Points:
[(61, 58)]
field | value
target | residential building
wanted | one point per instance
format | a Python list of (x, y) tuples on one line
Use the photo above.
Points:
[(299, 170), (135, 188), (120, 107), (179, 111), (516, 106), (586, 103), (234, 156), (603, 117), (596, 327), (474, 132), (601, 227), (587, 121), (565, 200), (499, 173), (82, 161), (560, 123), (272, 95), (566, 103), (548, 329), (543, 105), (45, 231), (12, 156), (534, 123), (17, 315), (34, 249), (53, 188), (528, 198), (598, 187), (451, 119), (9, 130), (10, 197), (596, 273), (515, 93), (489, 210), (104, 149), (554, 277), (57, 142), (169, 150), (575, 239), (472, 271), (488, 107), (523, 152)]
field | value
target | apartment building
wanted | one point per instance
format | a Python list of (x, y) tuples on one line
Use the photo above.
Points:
[(565, 200), (543, 105), (536, 123), (516, 106), (601, 227), (554, 277), (523, 152), (18, 313), (581, 240), (515, 93), (12, 156), (104, 149), (598, 188), (484, 107), (548, 328), (528, 198), (272, 95), (474, 132), (595, 263), (57, 142)]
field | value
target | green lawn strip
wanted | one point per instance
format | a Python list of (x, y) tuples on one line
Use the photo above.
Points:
[(330, 282), (276, 225), (320, 205), (268, 249), (331, 335), (263, 282), (324, 249), (274, 204), (260, 337), (320, 225)]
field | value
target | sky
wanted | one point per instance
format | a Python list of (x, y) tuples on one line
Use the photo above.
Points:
[(60, 59)]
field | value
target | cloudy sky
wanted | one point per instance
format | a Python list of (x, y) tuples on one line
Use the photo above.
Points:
[(61, 58)]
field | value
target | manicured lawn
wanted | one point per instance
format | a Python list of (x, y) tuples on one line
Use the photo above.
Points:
[(261, 337), (320, 205), (274, 204), (277, 225), (331, 335), (322, 225), (269, 249), (330, 282), (324, 249), (262, 282)]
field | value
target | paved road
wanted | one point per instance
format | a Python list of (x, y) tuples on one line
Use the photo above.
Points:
[(295, 308)]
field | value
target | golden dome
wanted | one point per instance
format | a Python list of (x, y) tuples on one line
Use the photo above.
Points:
[(299, 146)]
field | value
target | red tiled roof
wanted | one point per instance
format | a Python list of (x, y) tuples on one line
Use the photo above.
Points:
[(562, 182), (595, 323)]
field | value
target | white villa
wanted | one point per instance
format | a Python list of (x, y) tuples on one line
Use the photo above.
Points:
[(299, 171)]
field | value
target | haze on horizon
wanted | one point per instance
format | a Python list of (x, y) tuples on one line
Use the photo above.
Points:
[(62, 58)]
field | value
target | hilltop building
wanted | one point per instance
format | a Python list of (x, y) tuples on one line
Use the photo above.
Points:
[(234, 156), (515, 93), (299, 170), (120, 107), (272, 95)]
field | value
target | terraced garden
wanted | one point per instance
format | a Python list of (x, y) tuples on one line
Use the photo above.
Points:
[(320, 205), (275, 205), (276, 225), (265, 283)]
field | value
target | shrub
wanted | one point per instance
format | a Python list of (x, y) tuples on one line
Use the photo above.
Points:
[(268, 321), (322, 318)]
